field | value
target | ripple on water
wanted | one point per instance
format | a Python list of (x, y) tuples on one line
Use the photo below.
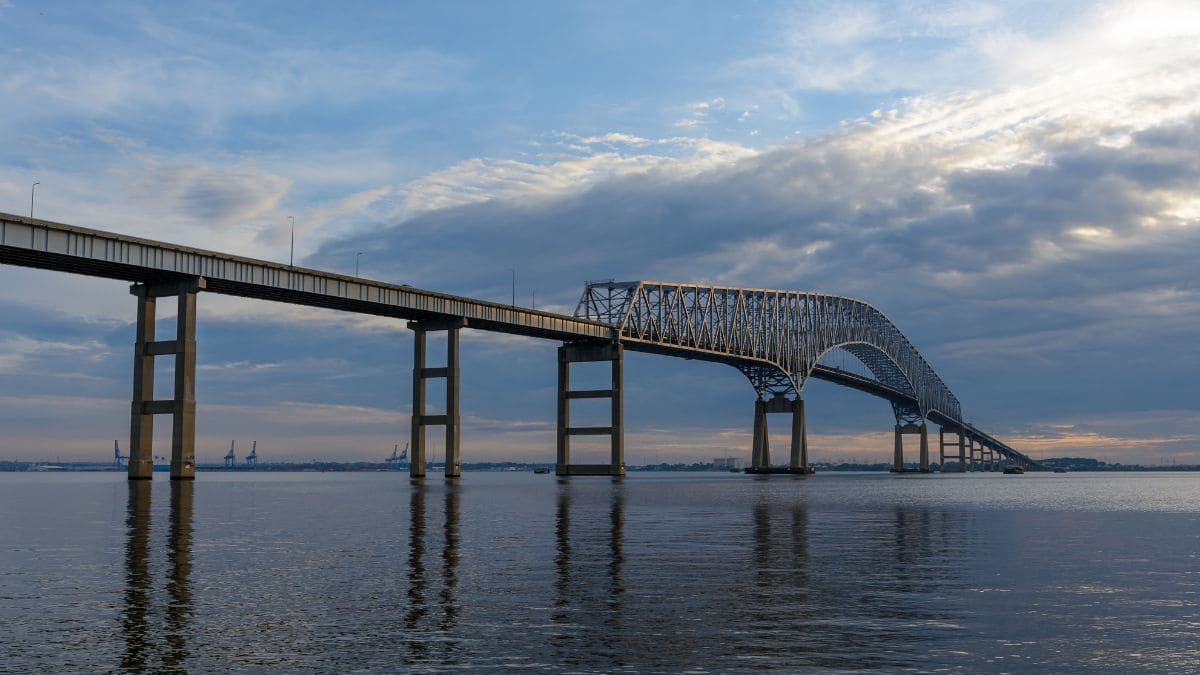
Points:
[(658, 572)]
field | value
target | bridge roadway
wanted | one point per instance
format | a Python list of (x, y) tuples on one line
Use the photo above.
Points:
[(160, 269)]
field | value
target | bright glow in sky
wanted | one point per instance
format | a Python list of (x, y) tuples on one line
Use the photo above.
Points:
[(1015, 184)]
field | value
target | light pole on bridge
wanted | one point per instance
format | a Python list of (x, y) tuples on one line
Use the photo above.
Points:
[(32, 189), (514, 285), (356, 257), (292, 248)]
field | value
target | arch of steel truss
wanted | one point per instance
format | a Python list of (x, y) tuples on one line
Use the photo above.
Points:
[(776, 338)]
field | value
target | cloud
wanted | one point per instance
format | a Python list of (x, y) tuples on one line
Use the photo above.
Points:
[(213, 195), (237, 366), (18, 351), (483, 180), (173, 70), (1032, 239), (700, 113)]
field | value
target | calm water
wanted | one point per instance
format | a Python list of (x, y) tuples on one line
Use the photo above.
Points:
[(718, 572)]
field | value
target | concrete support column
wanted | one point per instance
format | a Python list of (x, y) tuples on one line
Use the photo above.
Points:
[(182, 405), (590, 352), (924, 459), (416, 461), (563, 454), (183, 418), (617, 414), (799, 459), (942, 449), (962, 452), (760, 454), (453, 447), (898, 453), (141, 431), (451, 419)]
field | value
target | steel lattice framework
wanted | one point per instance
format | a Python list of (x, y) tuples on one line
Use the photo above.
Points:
[(775, 337)]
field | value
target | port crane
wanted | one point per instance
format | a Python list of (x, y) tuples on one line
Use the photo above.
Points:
[(252, 458), (400, 458), (230, 458)]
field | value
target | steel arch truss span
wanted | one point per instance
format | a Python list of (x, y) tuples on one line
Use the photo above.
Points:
[(775, 337)]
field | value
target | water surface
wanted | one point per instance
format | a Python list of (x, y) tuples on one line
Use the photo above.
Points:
[(344, 572)]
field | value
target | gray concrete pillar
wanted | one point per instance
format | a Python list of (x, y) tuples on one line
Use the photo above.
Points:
[(416, 463), (962, 452), (924, 466), (760, 454), (183, 422), (141, 431), (563, 456), (799, 459), (453, 448), (618, 411), (942, 449), (898, 452)]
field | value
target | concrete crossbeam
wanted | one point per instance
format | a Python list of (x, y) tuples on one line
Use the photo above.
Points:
[(589, 431), (590, 393)]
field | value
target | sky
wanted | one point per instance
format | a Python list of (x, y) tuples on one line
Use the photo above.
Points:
[(1015, 184)]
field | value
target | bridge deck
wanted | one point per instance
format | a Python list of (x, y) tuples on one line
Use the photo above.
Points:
[(47, 245)]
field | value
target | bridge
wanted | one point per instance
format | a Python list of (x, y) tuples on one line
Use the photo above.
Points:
[(776, 338)]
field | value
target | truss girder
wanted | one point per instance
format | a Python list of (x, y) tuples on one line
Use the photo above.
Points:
[(784, 331)]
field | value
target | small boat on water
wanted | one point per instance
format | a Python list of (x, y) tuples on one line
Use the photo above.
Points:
[(1013, 470), (541, 469), (1060, 469)]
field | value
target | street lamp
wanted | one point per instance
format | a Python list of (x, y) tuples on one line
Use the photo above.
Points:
[(31, 191), (292, 249), (356, 257), (514, 285)]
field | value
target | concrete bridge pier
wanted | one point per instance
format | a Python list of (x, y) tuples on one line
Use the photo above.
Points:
[(182, 405), (958, 441), (584, 352), (975, 454), (449, 420), (760, 449), (799, 458), (760, 456), (898, 457)]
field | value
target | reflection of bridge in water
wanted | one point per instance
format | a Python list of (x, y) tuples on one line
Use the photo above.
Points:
[(416, 634), (776, 338), (614, 580), (774, 583), (140, 614)]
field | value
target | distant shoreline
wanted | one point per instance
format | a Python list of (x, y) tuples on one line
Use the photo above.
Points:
[(1074, 465)]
